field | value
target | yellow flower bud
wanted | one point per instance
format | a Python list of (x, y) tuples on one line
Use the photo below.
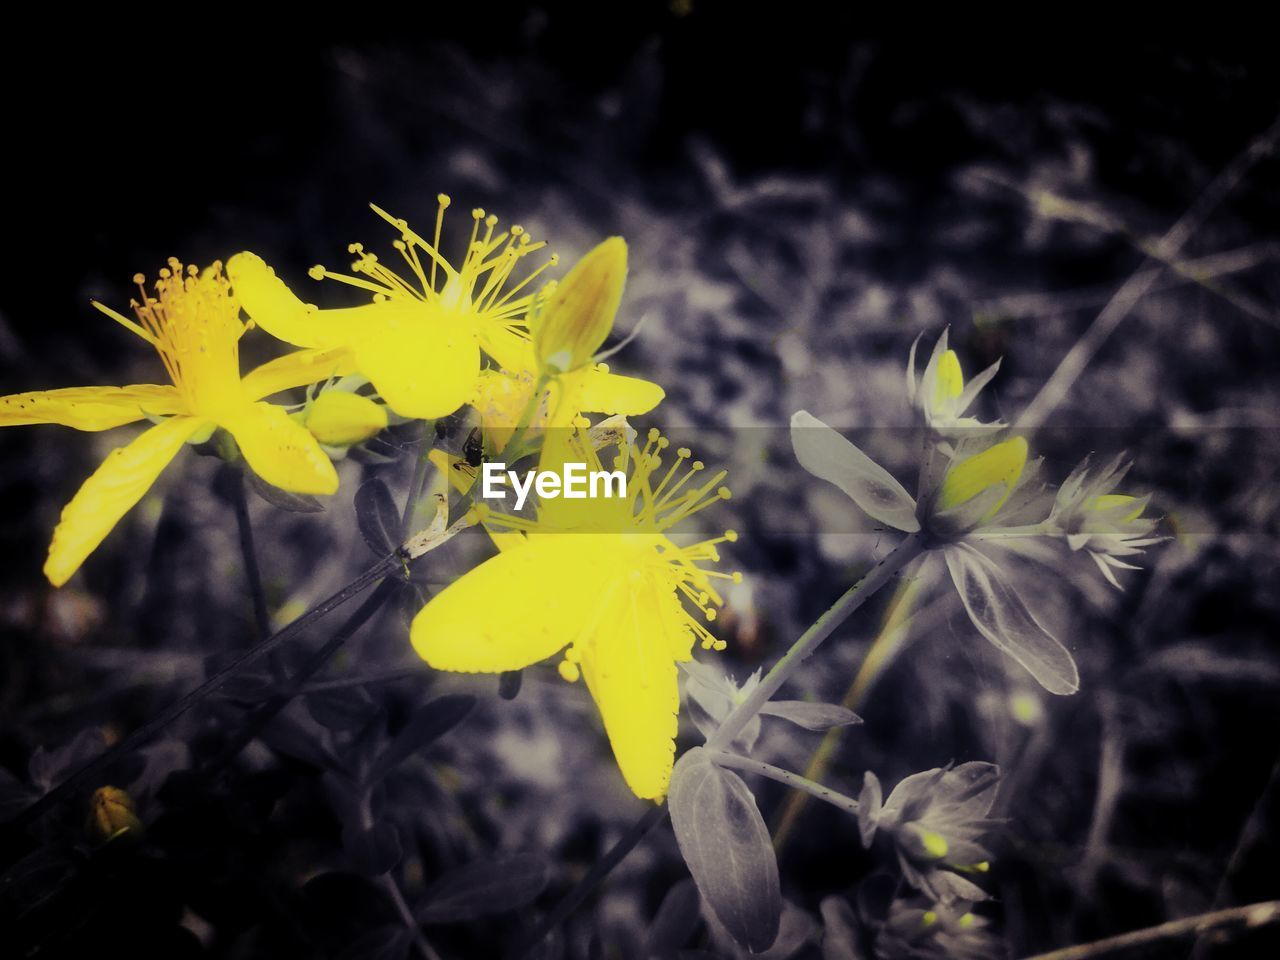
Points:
[(950, 379), (1115, 503), (112, 813), (578, 315), (339, 419), (1002, 463)]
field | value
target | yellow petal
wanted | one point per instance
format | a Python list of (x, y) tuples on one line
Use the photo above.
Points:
[(422, 366), (609, 393), (276, 309), (1001, 463), (513, 351), (124, 476), (297, 369), (280, 451), (632, 675), (514, 609), (90, 408)]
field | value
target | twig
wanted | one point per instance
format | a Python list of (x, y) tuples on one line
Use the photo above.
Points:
[(419, 939), (1235, 920), (1199, 270), (1118, 307), (735, 761), (594, 877)]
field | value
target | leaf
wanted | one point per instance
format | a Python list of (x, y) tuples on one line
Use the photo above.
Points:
[(1000, 615), (15, 796), (429, 722), (377, 517), (375, 850), (811, 716), (293, 502), (726, 846), (677, 918), (509, 684), (347, 709), (484, 887), (829, 456)]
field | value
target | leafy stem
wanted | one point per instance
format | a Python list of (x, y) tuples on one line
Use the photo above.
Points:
[(733, 761), (811, 639)]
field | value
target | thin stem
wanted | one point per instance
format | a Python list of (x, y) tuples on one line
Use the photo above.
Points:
[(265, 713), (884, 650), (1219, 922), (419, 939), (594, 877), (418, 480), (158, 723), (734, 761), (811, 639), (240, 503), (368, 679)]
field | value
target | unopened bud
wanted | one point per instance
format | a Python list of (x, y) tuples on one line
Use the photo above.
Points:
[(112, 813), (339, 419), (579, 314)]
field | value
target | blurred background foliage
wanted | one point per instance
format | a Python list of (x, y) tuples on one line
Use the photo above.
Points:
[(800, 202)]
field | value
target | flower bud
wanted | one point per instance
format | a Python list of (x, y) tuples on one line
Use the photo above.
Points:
[(999, 464), (339, 419), (112, 813), (579, 314)]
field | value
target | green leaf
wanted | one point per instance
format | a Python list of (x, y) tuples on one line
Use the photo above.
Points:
[(726, 845)]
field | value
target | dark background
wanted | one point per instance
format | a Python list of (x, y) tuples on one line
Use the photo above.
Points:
[(801, 200)]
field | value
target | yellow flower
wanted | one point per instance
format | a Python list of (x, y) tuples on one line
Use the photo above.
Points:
[(419, 341), (193, 322), (602, 577), (575, 318)]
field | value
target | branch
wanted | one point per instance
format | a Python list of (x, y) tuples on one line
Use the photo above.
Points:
[(1233, 921)]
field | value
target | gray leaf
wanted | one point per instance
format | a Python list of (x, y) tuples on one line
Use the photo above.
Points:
[(1000, 615), (811, 716), (484, 887), (828, 455), (726, 845)]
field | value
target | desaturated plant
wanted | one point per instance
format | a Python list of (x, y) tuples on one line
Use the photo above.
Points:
[(611, 586)]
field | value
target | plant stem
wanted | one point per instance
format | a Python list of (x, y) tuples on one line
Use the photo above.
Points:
[(811, 639), (156, 724), (737, 762), (264, 714), (1218, 922), (594, 877), (419, 940), (419, 478), (240, 503)]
